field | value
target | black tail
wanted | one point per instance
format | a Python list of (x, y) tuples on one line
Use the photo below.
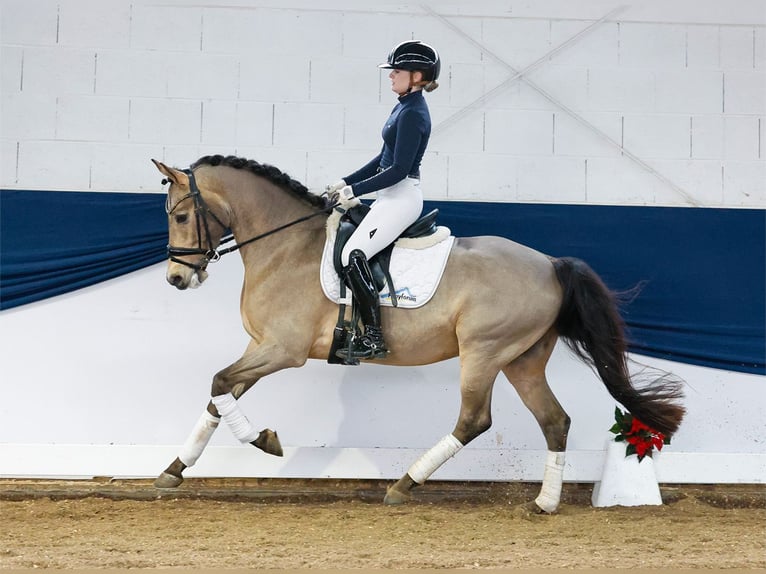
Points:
[(590, 323)]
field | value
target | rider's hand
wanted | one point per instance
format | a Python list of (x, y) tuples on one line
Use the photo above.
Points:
[(330, 189), (344, 194)]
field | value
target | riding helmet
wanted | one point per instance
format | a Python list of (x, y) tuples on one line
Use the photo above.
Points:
[(414, 55)]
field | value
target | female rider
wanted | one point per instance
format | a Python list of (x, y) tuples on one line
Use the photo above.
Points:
[(395, 175)]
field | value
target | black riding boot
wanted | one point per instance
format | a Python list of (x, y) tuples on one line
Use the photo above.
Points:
[(358, 277)]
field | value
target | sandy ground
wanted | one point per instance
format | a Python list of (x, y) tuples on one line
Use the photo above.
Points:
[(339, 525)]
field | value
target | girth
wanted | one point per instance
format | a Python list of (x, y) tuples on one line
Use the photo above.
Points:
[(381, 261)]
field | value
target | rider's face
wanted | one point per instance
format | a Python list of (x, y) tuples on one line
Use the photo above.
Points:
[(400, 80)]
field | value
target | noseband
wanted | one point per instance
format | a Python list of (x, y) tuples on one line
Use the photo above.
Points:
[(201, 211)]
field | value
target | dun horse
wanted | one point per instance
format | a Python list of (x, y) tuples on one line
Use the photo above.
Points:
[(500, 306)]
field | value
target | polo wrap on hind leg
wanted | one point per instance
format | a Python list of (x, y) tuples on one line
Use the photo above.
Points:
[(198, 439), (441, 452), (230, 412), (550, 493)]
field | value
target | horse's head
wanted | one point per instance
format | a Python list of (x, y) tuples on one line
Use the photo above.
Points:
[(194, 229)]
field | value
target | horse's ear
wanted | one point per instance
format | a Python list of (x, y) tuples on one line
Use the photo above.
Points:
[(174, 175)]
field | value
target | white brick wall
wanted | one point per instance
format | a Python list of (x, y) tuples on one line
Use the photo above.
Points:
[(682, 86)]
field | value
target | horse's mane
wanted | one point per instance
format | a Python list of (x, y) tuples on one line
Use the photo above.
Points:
[(273, 174)]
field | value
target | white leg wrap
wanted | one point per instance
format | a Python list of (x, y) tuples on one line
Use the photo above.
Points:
[(427, 464), (231, 413), (550, 493), (198, 439)]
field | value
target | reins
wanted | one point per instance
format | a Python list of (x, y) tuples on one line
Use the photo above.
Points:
[(213, 254)]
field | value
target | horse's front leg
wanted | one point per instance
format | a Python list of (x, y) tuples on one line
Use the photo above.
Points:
[(229, 385)]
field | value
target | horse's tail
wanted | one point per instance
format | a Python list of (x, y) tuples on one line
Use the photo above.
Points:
[(590, 323)]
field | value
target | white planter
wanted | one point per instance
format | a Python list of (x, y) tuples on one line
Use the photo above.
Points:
[(624, 480)]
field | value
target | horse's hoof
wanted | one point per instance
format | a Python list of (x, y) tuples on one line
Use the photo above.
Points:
[(268, 442), (167, 480), (529, 510), (395, 497)]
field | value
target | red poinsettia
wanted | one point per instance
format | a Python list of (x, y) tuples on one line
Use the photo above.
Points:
[(641, 439)]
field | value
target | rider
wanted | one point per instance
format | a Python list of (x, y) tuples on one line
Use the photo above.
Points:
[(395, 174)]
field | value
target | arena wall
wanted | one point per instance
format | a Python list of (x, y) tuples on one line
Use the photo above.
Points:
[(660, 104)]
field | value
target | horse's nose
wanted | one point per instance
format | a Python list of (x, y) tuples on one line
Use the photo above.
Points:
[(176, 280)]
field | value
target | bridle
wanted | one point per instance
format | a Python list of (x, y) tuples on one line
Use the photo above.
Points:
[(201, 212)]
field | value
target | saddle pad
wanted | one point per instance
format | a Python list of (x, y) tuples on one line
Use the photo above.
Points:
[(416, 272)]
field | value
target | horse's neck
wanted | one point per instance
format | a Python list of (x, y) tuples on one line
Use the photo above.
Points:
[(264, 208)]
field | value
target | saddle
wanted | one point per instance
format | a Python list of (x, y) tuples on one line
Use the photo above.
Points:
[(380, 263), (379, 266)]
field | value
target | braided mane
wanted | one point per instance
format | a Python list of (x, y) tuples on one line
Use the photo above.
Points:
[(273, 174)]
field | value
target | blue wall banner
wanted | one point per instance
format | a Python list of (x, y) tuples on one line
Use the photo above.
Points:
[(702, 271)]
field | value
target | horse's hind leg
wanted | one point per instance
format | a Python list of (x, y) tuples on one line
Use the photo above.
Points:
[(527, 375), (475, 417)]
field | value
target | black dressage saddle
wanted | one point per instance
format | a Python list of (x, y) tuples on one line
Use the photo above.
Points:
[(380, 262)]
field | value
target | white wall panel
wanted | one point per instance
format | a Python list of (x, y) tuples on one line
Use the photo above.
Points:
[(92, 118), (22, 24), (619, 89), (741, 135), (707, 137), (93, 23), (165, 121), (519, 132), (26, 116), (8, 160), (571, 138), (759, 49), (654, 46), (482, 177), (657, 135), (11, 71), (688, 91), (743, 183), (59, 70), (135, 72), (203, 76), (308, 125), (166, 28), (356, 82), (54, 165), (125, 166), (744, 92), (737, 47), (703, 47), (550, 179), (597, 48)]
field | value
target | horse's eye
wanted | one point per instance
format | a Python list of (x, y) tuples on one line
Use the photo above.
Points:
[(181, 218)]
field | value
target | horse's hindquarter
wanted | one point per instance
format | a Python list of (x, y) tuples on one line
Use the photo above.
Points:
[(503, 296)]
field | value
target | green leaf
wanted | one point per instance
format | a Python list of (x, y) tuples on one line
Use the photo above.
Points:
[(615, 428)]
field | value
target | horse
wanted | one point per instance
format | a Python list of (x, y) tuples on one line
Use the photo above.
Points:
[(500, 307)]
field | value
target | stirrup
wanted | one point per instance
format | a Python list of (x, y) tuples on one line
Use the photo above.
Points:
[(368, 346)]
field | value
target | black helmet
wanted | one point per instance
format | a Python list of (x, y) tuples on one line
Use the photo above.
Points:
[(413, 56)]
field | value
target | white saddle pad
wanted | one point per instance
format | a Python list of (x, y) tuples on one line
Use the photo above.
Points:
[(416, 268)]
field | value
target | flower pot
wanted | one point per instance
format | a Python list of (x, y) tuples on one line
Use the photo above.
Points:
[(625, 481)]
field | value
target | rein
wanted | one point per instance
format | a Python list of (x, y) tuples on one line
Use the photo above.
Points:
[(211, 253)]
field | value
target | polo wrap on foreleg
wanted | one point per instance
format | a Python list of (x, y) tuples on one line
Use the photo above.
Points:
[(198, 439), (550, 493), (230, 412), (427, 464)]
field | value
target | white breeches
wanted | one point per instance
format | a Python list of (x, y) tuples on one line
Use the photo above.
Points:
[(395, 209)]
